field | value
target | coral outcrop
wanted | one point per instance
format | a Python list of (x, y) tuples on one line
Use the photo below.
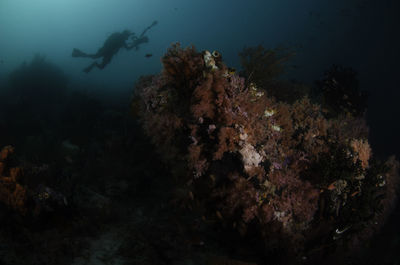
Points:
[(258, 165), (23, 196)]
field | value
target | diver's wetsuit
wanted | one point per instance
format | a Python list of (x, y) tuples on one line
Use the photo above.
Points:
[(111, 46)]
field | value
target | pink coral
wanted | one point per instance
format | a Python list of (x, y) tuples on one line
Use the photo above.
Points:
[(252, 159)]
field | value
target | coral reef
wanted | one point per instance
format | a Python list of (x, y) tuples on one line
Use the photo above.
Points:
[(22, 195), (277, 170), (261, 65), (265, 67), (12, 193)]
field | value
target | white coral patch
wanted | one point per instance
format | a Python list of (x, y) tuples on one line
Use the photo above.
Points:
[(250, 157), (269, 113), (243, 136), (276, 128), (209, 60)]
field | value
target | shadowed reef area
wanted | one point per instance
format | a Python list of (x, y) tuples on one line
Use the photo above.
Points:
[(202, 164)]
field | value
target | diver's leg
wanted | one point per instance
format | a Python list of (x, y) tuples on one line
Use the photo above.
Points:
[(79, 53), (90, 67), (106, 60), (98, 54)]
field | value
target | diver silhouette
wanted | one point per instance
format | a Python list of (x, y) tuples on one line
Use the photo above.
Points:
[(112, 45)]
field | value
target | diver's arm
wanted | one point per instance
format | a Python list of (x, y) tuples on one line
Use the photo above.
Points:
[(136, 43), (155, 22)]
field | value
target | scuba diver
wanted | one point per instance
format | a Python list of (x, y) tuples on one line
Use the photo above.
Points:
[(112, 45)]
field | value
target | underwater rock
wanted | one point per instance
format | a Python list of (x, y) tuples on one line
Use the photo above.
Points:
[(257, 165)]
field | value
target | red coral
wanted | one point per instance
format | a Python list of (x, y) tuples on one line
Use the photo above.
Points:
[(227, 121), (204, 97), (182, 67)]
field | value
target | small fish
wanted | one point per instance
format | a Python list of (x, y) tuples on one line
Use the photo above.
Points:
[(1, 62), (148, 55)]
